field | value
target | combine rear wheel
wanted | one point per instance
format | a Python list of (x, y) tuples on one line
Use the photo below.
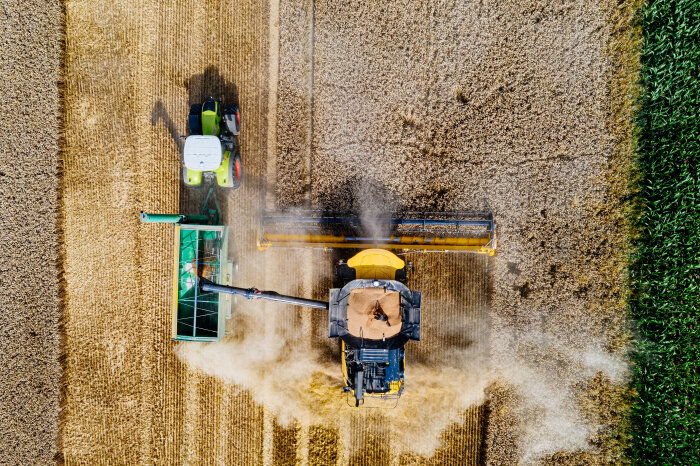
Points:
[(359, 388)]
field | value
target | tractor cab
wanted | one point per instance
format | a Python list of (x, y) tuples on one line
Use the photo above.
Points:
[(206, 119), (203, 153)]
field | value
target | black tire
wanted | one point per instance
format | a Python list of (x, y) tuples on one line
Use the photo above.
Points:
[(359, 388), (195, 119), (237, 172), (235, 111), (401, 275)]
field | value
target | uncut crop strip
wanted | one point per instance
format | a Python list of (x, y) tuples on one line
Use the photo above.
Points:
[(30, 264), (667, 263)]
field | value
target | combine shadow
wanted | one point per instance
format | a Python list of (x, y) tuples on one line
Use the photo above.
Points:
[(358, 195)]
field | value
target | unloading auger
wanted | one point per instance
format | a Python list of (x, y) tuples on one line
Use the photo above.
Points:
[(374, 315)]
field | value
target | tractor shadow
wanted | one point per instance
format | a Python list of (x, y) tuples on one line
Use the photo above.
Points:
[(199, 87), (158, 114), (211, 83)]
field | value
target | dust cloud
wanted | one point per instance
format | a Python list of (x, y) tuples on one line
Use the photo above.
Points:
[(300, 384), (545, 373), (373, 202), (264, 357)]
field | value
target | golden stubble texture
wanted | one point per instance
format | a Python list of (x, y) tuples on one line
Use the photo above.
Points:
[(132, 70)]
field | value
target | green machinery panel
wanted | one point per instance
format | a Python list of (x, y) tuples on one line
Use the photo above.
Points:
[(201, 251)]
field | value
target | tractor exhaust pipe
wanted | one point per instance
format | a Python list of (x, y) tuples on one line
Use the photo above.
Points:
[(254, 293)]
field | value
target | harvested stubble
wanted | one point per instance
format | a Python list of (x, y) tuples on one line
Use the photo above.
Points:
[(30, 371), (132, 69)]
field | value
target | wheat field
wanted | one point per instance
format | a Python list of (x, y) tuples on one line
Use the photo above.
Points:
[(516, 109), (30, 266)]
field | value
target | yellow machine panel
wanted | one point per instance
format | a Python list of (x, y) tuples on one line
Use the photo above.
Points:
[(376, 264)]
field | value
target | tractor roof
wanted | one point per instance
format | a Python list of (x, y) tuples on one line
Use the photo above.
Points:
[(203, 153)]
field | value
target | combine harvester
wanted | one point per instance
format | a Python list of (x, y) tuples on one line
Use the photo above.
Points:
[(371, 310)]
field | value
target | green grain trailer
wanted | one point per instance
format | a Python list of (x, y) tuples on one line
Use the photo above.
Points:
[(200, 250)]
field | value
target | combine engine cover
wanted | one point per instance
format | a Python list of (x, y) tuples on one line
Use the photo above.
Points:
[(374, 319)]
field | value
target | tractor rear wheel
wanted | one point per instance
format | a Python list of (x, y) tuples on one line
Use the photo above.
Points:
[(235, 171)]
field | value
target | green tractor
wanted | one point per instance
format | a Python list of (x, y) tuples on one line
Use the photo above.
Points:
[(211, 149)]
